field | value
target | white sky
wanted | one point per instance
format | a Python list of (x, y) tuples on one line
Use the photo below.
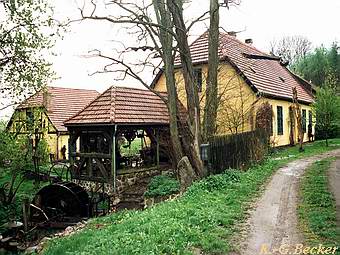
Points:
[(262, 20)]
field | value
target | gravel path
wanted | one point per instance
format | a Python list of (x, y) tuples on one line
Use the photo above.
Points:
[(273, 222), (334, 182)]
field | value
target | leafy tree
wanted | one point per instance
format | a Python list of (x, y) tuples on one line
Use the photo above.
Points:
[(314, 67), (321, 67), (327, 110), (27, 33)]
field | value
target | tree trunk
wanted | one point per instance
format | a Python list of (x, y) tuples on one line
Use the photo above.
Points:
[(166, 38), (193, 140), (211, 94), (298, 118)]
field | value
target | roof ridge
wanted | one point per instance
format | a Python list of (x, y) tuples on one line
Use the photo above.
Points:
[(113, 104), (57, 87), (243, 43)]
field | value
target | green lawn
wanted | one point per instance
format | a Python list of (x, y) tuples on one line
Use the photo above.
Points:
[(205, 217), (317, 211)]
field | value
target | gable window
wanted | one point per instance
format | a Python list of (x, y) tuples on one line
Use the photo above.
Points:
[(279, 113), (304, 121), (198, 78)]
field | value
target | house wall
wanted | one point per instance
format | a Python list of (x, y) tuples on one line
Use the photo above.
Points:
[(55, 140), (238, 103)]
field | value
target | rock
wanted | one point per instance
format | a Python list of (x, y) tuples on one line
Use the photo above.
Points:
[(186, 173), (32, 249), (45, 239), (5, 240), (13, 224), (13, 243)]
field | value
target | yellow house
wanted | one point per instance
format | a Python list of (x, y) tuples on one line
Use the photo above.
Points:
[(247, 78), (47, 111)]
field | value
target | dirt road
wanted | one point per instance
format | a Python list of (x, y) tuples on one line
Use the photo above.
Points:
[(334, 182), (273, 223)]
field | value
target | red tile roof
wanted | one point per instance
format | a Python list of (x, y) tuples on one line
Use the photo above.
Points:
[(263, 72), (120, 105), (61, 103)]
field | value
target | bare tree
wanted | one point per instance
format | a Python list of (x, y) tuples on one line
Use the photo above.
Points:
[(159, 27), (210, 109), (291, 48)]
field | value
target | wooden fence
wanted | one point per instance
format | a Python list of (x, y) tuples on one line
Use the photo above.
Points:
[(237, 151)]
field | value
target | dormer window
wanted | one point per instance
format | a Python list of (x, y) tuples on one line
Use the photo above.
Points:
[(198, 78)]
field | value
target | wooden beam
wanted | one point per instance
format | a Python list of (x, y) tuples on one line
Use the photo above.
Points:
[(92, 155)]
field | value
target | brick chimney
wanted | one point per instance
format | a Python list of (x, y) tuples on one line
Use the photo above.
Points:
[(249, 41), (232, 33)]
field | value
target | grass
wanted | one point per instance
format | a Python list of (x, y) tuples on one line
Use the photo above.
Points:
[(134, 149), (317, 210), (205, 218), (310, 149)]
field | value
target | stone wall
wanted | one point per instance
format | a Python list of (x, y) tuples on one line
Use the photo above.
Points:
[(125, 180)]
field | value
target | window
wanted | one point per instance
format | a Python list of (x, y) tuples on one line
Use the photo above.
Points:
[(29, 119), (279, 112), (304, 121), (198, 78)]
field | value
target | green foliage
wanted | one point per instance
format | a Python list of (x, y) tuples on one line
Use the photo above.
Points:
[(317, 211), (162, 185), (13, 151), (43, 151), (134, 148), (27, 33), (13, 211), (321, 67), (3, 125), (217, 182), (327, 110), (205, 217)]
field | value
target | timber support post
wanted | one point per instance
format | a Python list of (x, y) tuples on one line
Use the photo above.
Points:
[(113, 159), (157, 147)]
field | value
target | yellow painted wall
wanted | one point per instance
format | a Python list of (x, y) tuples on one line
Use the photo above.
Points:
[(54, 141), (238, 105)]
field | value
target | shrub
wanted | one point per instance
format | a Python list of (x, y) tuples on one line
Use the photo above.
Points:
[(162, 185), (217, 182), (320, 134)]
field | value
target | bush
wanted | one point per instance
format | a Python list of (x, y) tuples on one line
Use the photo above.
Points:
[(217, 182), (320, 134), (162, 185)]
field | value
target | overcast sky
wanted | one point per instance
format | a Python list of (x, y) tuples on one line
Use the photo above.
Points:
[(261, 20)]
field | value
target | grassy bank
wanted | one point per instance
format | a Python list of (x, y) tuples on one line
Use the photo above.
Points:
[(317, 211), (204, 218)]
